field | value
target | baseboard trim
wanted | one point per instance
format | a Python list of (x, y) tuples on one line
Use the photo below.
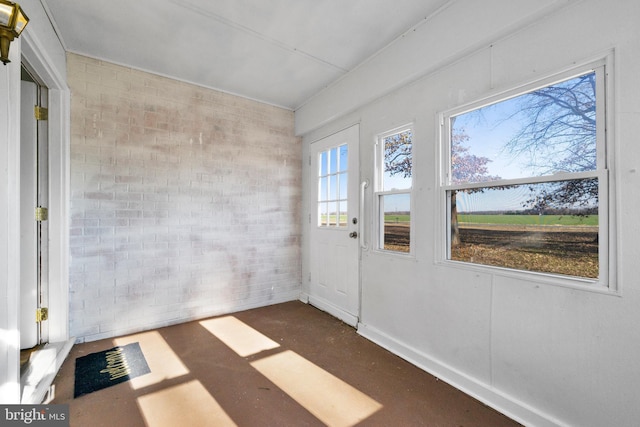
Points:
[(204, 314), (304, 297), (496, 399), (325, 305)]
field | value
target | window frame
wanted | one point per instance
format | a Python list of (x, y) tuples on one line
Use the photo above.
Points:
[(338, 173), (606, 282), (379, 193)]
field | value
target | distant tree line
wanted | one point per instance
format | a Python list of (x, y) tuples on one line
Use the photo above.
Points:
[(392, 213), (547, 211)]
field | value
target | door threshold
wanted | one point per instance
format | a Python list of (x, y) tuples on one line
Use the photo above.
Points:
[(38, 372)]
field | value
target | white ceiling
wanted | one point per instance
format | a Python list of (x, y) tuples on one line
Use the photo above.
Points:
[(277, 51)]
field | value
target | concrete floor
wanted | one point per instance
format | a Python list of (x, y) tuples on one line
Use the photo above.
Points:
[(283, 365)]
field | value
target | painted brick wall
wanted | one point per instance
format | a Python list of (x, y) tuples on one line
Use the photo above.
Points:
[(185, 201)]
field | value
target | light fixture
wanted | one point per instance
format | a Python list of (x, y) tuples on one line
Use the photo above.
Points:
[(12, 22)]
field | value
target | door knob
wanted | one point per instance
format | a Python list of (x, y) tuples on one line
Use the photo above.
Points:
[(353, 235)]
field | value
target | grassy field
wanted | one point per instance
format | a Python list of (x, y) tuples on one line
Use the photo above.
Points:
[(591, 220), (397, 218)]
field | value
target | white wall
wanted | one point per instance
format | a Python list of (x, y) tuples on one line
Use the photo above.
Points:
[(540, 353), (41, 45), (185, 201)]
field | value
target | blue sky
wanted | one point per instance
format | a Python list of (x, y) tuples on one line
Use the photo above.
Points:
[(490, 129)]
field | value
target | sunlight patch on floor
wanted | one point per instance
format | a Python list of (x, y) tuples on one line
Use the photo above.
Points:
[(327, 397), (330, 399), (163, 362), (238, 336), (188, 404)]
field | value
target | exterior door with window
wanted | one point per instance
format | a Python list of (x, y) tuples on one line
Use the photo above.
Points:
[(334, 263)]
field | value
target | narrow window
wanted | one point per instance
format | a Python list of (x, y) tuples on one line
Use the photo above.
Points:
[(393, 189), (525, 181), (332, 187)]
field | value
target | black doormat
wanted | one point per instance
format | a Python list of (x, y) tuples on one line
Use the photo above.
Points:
[(110, 367)]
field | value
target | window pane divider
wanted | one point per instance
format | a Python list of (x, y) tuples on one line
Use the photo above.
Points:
[(392, 192), (565, 176)]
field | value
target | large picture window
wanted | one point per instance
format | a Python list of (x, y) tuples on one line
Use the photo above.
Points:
[(525, 179), (393, 189)]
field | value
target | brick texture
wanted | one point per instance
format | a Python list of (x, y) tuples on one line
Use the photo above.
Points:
[(185, 201)]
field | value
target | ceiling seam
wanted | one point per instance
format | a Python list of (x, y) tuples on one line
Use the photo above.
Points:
[(180, 79), (256, 34), (427, 18), (54, 25)]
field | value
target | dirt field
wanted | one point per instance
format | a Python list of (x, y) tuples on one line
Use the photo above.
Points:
[(542, 249), (396, 237)]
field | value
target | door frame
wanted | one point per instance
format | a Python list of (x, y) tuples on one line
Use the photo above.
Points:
[(34, 192), (48, 362), (36, 61), (31, 276), (354, 179)]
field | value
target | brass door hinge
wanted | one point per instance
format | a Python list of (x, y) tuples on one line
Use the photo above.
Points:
[(42, 213), (41, 113), (42, 314)]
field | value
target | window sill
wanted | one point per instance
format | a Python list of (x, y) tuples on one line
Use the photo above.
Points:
[(394, 254)]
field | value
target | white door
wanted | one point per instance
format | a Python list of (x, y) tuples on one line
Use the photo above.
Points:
[(334, 260), (33, 233)]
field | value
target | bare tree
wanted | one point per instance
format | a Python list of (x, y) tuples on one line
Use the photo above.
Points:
[(559, 135)]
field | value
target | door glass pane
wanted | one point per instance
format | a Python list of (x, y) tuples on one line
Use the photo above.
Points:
[(333, 213), (323, 190), (323, 217), (332, 186), (333, 160), (343, 185), (324, 158), (344, 158), (343, 213)]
